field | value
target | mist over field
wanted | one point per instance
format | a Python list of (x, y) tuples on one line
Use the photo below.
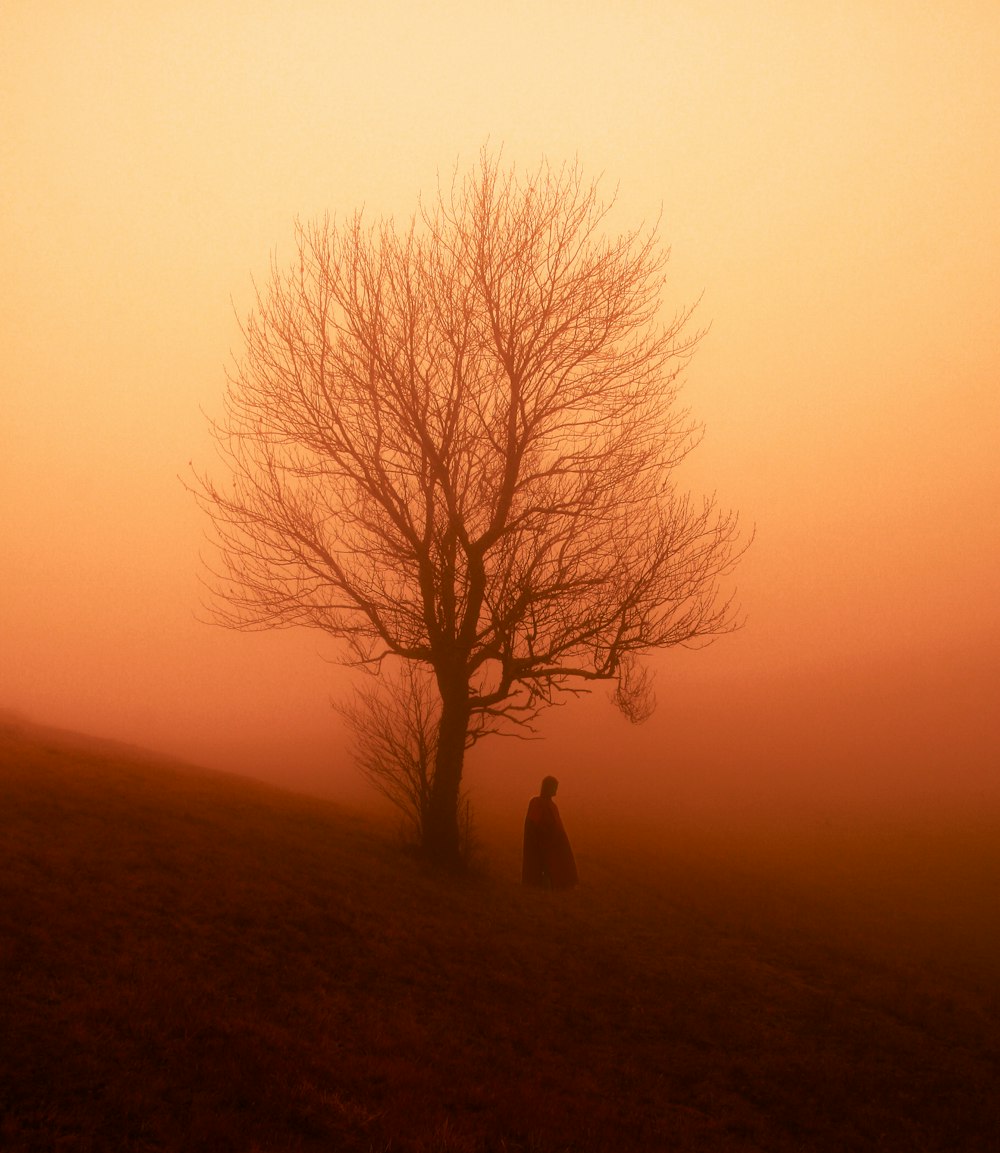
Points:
[(785, 932), (782, 747), (827, 182)]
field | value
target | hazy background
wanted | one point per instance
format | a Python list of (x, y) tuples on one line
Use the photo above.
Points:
[(829, 178)]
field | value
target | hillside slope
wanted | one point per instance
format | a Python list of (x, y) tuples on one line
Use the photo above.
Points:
[(190, 961)]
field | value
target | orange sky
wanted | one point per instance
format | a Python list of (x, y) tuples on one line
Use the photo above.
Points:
[(829, 177)]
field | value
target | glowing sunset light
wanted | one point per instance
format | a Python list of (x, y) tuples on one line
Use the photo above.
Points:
[(828, 181)]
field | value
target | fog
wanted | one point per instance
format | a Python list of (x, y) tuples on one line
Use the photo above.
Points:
[(828, 181)]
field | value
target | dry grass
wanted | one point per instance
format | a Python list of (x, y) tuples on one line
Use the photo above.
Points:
[(194, 962)]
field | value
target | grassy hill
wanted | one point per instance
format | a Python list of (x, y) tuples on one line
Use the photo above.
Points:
[(190, 961)]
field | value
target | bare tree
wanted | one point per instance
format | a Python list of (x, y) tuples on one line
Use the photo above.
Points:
[(454, 443), (393, 721)]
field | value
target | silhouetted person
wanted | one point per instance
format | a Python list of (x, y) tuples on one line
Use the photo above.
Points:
[(548, 859)]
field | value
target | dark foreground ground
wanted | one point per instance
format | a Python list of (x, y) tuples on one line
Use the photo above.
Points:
[(193, 962)]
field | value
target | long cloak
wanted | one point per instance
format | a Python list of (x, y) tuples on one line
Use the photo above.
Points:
[(548, 858)]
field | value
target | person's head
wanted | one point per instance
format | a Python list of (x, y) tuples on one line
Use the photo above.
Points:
[(549, 786)]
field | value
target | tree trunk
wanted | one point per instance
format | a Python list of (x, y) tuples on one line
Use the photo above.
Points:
[(441, 840)]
